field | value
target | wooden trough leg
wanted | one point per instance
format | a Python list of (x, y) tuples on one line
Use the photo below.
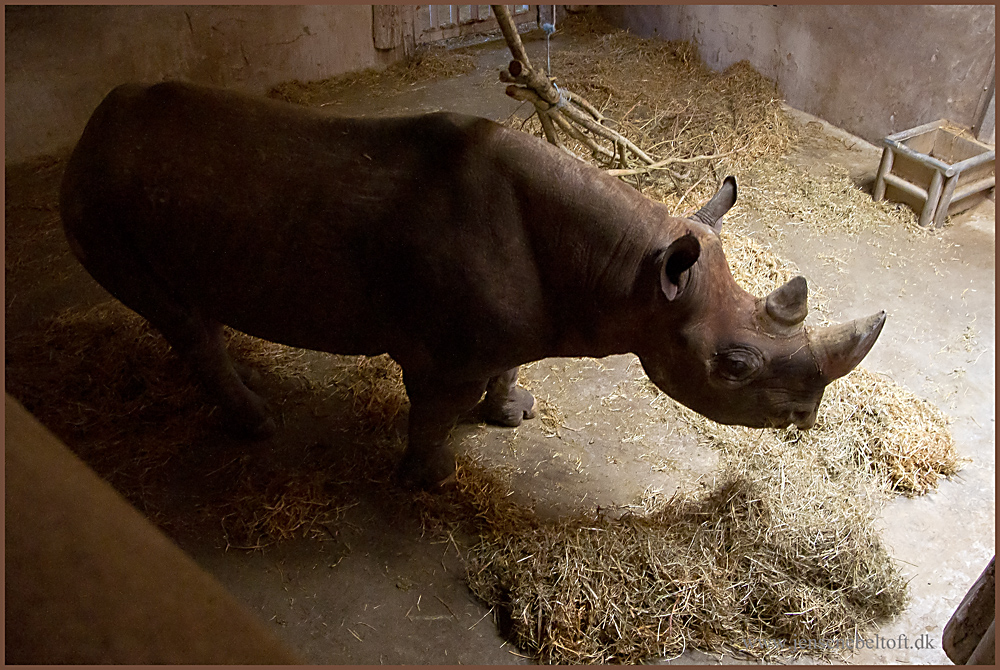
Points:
[(942, 209), (883, 169), (933, 198)]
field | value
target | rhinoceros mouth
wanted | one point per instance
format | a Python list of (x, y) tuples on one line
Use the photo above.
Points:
[(801, 419)]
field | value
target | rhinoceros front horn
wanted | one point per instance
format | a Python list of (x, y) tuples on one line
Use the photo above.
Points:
[(839, 349), (788, 304)]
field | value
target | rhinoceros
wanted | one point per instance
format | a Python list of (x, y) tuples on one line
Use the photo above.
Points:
[(458, 246)]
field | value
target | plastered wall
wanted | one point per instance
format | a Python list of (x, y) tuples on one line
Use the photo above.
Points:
[(62, 60), (870, 69)]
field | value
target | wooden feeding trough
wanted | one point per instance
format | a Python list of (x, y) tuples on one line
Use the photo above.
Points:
[(935, 170)]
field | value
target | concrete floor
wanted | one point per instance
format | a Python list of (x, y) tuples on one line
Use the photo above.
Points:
[(380, 591)]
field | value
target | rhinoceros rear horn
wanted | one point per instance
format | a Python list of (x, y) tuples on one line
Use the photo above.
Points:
[(789, 304), (839, 349), (711, 214)]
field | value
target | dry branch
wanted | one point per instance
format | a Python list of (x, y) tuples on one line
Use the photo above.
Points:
[(560, 108)]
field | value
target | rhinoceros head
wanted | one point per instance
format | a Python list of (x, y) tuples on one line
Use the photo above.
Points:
[(735, 358)]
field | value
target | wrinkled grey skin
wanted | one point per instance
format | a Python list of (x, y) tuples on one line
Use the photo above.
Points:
[(461, 248)]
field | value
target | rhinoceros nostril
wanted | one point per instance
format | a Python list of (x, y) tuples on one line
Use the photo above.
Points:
[(779, 423)]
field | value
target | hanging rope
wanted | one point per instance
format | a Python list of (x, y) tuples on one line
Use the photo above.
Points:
[(549, 28)]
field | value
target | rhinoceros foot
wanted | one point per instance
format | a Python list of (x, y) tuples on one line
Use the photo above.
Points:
[(256, 427), (506, 404), (512, 410), (244, 413), (250, 376), (417, 472)]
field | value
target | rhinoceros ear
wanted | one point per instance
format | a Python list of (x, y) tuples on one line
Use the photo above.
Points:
[(675, 261), (711, 214)]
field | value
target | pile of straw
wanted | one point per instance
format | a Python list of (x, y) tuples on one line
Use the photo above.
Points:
[(107, 369), (35, 249), (782, 548), (374, 385), (663, 98), (428, 64), (784, 198), (730, 570)]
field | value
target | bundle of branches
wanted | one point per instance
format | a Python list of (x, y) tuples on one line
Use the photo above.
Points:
[(559, 109), (662, 97)]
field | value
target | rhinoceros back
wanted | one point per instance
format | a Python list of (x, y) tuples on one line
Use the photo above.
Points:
[(281, 221)]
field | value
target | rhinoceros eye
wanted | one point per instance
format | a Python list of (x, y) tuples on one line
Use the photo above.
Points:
[(737, 364)]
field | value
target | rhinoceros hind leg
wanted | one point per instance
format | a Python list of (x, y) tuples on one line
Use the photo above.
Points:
[(434, 409), (506, 403), (249, 375), (200, 343), (245, 412), (197, 340)]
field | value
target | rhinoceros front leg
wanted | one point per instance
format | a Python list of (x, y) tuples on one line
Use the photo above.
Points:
[(434, 409), (506, 403)]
